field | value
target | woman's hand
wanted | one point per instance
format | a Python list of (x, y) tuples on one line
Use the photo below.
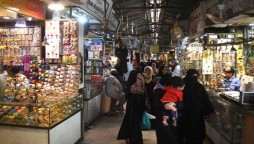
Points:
[(170, 106)]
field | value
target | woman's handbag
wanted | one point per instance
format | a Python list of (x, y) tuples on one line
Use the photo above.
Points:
[(145, 122)]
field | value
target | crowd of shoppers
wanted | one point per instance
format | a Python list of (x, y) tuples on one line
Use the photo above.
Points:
[(143, 96)]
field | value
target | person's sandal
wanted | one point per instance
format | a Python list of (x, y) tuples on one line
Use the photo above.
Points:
[(164, 123)]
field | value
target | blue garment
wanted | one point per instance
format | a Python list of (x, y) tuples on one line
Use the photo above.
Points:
[(232, 84), (170, 113)]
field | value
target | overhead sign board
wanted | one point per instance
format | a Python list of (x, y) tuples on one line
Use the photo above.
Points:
[(97, 8), (113, 22), (33, 8), (231, 8), (197, 22)]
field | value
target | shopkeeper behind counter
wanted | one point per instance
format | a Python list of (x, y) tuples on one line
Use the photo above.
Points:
[(11, 71), (230, 83)]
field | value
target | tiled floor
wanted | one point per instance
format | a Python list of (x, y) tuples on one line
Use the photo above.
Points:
[(104, 131)]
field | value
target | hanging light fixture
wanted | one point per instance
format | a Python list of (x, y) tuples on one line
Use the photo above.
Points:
[(56, 6), (20, 22)]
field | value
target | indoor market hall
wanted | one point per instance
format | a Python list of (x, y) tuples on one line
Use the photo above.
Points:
[(126, 71)]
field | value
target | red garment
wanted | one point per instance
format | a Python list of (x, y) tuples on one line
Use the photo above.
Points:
[(172, 94)]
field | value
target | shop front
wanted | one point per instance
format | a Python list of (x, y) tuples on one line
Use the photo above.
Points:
[(45, 105), (212, 53)]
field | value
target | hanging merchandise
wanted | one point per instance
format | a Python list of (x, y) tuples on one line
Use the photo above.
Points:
[(207, 62), (16, 42), (70, 42), (65, 45), (53, 37), (177, 30)]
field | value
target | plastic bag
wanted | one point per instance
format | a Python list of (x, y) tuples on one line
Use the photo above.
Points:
[(145, 122)]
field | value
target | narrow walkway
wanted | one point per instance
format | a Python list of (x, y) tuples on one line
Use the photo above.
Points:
[(105, 129)]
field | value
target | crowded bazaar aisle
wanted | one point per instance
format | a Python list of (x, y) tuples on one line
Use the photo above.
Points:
[(104, 131)]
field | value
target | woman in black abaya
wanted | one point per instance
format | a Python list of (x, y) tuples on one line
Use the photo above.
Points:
[(191, 124), (130, 129), (164, 75)]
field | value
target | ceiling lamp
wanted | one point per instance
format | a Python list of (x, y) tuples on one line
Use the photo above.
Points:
[(56, 6), (20, 23), (29, 18), (177, 30), (6, 17)]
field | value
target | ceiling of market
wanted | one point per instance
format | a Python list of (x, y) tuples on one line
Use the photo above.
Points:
[(139, 14), (137, 18)]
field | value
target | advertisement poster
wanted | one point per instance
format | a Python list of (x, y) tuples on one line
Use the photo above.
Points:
[(53, 38)]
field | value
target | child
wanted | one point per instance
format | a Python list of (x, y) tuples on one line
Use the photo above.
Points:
[(173, 94)]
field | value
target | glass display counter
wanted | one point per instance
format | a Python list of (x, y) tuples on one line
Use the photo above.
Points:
[(46, 114), (226, 127), (229, 118), (56, 120)]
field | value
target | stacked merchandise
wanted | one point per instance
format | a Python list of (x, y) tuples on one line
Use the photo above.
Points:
[(193, 57)]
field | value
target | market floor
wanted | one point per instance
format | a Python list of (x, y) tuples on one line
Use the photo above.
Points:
[(104, 131)]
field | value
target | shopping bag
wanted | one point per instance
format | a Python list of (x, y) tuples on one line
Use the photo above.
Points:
[(145, 122)]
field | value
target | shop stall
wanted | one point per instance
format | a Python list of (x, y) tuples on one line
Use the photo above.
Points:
[(46, 105), (211, 54), (93, 77)]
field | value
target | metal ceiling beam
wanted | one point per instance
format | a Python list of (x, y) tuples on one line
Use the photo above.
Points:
[(127, 3), (151, 7)]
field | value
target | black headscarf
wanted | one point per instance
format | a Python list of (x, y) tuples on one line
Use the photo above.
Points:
[(131, 80), (189, 78), (165, 78)]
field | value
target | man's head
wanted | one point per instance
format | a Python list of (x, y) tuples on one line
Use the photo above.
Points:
[(229, 72), (119, 43), (13, 70)]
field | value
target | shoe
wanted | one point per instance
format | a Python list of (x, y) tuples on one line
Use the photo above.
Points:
[(150, 116), (164, 123)]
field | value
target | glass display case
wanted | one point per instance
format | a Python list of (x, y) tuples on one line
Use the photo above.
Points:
[(229, 119), (46, 114)]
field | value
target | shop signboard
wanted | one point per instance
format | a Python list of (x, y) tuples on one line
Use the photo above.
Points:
[(113, 22), (154, 49), (232, 8), (33, 8), (197, 22), (97, 8)]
